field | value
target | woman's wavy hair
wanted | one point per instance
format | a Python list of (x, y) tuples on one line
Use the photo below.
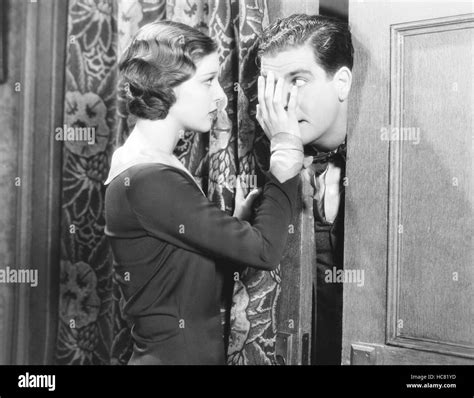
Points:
[(161, 56)]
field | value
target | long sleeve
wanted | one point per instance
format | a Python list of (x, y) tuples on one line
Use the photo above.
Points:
[(170, 207), (287, 156)]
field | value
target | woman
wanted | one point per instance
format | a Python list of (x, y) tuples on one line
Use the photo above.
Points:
[(164, 233)]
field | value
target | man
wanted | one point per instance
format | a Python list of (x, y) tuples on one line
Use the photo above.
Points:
[(315, 54)]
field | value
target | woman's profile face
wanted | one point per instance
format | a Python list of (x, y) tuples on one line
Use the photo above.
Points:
[(197, 97)]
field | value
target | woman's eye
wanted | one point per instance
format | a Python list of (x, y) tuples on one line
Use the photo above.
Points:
[(209, 81)]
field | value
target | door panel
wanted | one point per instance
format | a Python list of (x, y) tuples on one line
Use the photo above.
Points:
[(409, 209)]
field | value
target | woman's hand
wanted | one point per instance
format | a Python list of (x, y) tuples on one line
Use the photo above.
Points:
[(272, 113), (243, 206)]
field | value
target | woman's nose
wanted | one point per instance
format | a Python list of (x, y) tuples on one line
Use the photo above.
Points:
[(218, 94)]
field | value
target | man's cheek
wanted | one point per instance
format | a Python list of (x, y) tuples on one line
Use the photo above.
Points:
[(308, 98), (309, 133)]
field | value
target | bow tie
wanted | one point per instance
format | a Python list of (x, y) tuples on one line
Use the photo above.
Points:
[(319, 160)]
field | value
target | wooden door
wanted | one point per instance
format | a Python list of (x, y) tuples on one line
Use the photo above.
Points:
[(409, 198)]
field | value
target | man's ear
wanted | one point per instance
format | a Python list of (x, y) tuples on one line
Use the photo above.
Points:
[(343, 81)]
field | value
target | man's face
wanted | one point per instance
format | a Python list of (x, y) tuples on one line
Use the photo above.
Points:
[(318, 103)]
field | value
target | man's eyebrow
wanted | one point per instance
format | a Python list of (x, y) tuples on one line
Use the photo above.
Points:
[(299, 72)]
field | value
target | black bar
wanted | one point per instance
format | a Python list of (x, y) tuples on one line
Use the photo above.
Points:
[(244, 380)]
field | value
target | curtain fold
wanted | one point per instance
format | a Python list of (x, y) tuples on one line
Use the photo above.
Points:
[(92, 329)]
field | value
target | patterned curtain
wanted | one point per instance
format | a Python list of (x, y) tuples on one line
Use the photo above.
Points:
[(92, 329)]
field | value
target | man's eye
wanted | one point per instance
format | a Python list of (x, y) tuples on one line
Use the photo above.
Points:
[(299, 82)]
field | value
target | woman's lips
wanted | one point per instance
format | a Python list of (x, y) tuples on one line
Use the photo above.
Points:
[(213, 114)]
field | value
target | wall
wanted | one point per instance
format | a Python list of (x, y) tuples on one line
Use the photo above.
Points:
[(9, 122)]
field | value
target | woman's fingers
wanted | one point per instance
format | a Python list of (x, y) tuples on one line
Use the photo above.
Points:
[(277, 99), (239, 192), (269, 94), (261, 97), (262, 113), (293, 125), (243, 205), (258, 115), (272, 113), (262, 123), (292, 101)]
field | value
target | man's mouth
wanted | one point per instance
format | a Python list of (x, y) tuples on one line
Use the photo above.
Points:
[(213, 114)]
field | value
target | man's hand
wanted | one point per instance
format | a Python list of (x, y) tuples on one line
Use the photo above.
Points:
[(271, 113), (243, 206)]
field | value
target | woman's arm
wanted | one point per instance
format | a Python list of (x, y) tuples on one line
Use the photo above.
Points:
[(170, 207)]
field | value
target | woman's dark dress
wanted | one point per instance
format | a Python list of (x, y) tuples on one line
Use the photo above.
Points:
[(165, 237)]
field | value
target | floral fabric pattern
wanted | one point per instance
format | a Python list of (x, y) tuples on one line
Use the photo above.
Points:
[(92, 329)]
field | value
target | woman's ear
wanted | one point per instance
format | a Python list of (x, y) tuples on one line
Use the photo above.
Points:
[(343, 81)]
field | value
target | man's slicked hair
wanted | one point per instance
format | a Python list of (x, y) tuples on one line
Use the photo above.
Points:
[(329, 38)]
